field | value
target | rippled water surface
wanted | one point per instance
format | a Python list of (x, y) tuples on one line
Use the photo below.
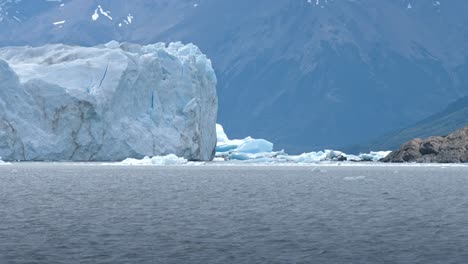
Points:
[(68, 213)]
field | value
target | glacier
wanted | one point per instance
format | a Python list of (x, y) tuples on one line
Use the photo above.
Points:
[(251, 150), (107, 103)]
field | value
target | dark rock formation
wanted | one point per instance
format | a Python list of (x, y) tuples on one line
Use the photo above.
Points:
[(448, 149)]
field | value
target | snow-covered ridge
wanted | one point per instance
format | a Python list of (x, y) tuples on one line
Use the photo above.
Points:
[(106, 103)]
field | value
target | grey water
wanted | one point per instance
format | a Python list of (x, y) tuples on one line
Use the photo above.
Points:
[(85, 213)]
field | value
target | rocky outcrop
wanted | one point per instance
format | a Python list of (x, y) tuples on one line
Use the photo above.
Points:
[(448, 149), (106, 103)]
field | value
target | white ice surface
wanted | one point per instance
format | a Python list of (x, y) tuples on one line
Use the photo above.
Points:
[(157, 160), (2, 162), (106, 103), (374, 155)]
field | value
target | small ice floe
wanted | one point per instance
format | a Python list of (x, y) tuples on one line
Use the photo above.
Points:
[(155, 161), (318, 170), (354, 178)]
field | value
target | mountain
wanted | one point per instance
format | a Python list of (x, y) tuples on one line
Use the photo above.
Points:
[(454, 117), (303, 74)]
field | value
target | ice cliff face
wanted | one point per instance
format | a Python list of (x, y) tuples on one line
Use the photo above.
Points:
[(108, 102)]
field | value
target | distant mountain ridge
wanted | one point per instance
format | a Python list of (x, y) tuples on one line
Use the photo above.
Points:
[(454, 117), (304, 74)]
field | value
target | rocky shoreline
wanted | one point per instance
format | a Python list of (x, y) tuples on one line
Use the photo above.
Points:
[(441, 149)]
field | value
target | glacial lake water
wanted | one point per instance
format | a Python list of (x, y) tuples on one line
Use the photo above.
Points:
[(90, 213)]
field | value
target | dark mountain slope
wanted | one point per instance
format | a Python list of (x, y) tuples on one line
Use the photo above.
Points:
[(454, 117)]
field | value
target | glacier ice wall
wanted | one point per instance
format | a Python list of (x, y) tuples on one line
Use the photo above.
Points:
[(106, 103)]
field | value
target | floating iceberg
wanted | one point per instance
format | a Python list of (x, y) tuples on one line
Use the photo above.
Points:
[(221, 136), (255, 146), (224, 144), (155, 161), (247, 145), (106, 103), (250, 150), (242, 149)]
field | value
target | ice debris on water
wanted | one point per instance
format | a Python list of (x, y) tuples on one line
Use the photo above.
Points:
[(255, 151), (251, 150), (354, 178), (157, 160), (2, 162)]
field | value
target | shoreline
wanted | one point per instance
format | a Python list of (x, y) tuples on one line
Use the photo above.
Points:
[(235, 164)]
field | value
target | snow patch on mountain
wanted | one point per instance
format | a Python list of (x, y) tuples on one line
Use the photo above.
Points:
[(13, 10), (320, 3), (100, 11), (127, 21), (58, 23)]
